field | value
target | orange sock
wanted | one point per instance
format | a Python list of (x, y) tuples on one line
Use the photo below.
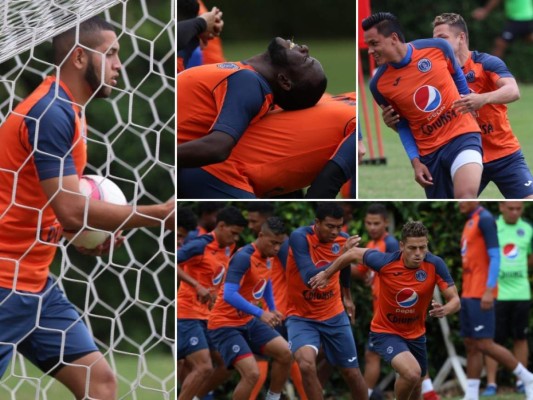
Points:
[(263, 371), (296, 377)]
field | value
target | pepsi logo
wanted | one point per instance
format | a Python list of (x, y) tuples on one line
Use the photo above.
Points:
[(219, 275), (321, 263), (463, 248), (406, 297), (427, 98), (510, 251), (259, 289)]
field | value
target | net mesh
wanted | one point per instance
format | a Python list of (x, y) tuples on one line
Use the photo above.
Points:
[(126, 298)]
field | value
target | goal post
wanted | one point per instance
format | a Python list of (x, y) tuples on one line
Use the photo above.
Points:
[(126, 298)]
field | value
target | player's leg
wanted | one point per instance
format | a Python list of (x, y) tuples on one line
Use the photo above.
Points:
[(220, 375), (200, 370), (511, 175), (372, 369), (409, 378), (247, 368), (467, 176), (262, 365), (296, 377), (278, 349)]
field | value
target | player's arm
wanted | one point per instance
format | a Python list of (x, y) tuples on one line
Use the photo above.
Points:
[(188, 252), (489, 231), (353, 255), (452, 305), (422, 175), (211, 149), (453, 67), (190, 29), (481, 13), (300, 250)]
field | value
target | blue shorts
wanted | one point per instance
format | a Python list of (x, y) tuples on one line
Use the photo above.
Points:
[(440, 163), (476, 323), (237, 342), (195, 183), (192, 336), (389, 346), (36, 324), (334, 335), (510, 174)]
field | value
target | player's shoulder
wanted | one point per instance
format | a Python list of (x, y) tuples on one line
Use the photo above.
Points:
[(486, 215), (303, 231), (244, 253), (51, 104), (431, 43), (434, 259), (197, 245), (489, 62)]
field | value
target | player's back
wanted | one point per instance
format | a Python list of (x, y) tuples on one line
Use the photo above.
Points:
[(285, 150)]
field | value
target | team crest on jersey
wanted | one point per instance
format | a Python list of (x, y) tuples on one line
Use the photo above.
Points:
[(470, 76), (463, 248), (219, 275), (259, 289), (421, 275), (228, 251), (236, 348), (520, 232), (406, 298), (193, 341), (424, 65), (427, 98), (269, 263), (228, 65), (335, 248), (510, 251)]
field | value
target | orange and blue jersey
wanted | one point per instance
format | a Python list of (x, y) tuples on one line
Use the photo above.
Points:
[(199, 231), (385, 244), (405, 293), (247, 282), (207, 262), (482, 71), (43, 138), (307, 257), (226, 97), (285, 150), (278, 278), (344, 156), (480, 254), (422, 88)]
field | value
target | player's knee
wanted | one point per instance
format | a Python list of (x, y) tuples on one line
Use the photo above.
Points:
[(105, 385), (484, 345), (307, 367), (413, 376), (284, 357), (250, 375), (204, 370)]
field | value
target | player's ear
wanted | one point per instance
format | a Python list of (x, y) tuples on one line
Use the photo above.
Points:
[(284, 82), (79, 57)]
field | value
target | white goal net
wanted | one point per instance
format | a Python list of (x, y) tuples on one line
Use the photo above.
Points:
[(126, 298)]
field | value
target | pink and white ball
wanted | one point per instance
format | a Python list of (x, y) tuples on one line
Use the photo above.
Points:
[(100, 188)]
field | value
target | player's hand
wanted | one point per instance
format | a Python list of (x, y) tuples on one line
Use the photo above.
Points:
[(422, 174), (170, 212), (369, 278), (487, 300), (214, 22), (361, 151), (319, 281), (390, 116), (271, 319), (470, 103), (279, 315), (480, 13), (351, 242), (438, 310), (103, 248), (349, 306), (203, 294)]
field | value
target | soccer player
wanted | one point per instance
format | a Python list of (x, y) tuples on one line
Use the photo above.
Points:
[(519, 22), (207, 218), (238, 327), (279, 154), (186, 223), (42, 156), (421, 80), (202, 264), (216, 103), (481, 262), (492, 87), (317, 318), (407, 280), (514, 294)]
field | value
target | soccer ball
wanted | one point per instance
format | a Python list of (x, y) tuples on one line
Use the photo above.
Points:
[(100, 188)]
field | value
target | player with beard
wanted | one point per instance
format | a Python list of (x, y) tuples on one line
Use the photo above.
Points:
[(42, 156), (216, 103)]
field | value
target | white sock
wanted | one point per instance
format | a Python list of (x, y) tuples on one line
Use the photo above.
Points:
[(370, 391), (519, 382), (427, 385), (472, 389), (195, 398), (523, 374), (272, 396)]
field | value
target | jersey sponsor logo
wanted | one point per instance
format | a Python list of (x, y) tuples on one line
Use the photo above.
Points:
[(193, 341), (399, 319), (470, 76), (228, 66), (259, 289), (406, 297), (510, 251), (321, 263), (427, 98), (520, 232), (463, 248), (335, 248), (424, 65), (316, 294), (421, 275), (439, 119), (397, 81), (219, 275)]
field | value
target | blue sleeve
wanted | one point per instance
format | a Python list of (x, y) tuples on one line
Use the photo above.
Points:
[(300, 251), (245, 95), (440, 268), (376, 260), (408, 140), (492, 64), (391, 244), (194, 247), (488, 228), (345, 156), (268, 295), (378, 97), (52, 137), (234, 298)]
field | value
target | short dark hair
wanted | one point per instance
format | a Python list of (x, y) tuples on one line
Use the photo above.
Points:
[(328, 209), (232, 216), (385, 23), (208, 207), (274, 225), (303, 94), (378, 209), (414, 229), (264, 208), (454, 20), (63, 43), (186, 218)]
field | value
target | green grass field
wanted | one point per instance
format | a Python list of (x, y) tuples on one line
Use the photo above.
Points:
[(395, 179), (153, 380)]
